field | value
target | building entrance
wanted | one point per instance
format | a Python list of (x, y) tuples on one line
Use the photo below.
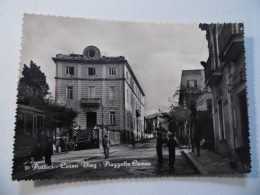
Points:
[(91, 120)]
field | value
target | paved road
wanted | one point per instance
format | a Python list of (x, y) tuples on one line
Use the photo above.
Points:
[(124, 161)]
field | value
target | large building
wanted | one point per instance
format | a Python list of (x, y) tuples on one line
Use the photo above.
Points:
[(103, 90), (225, 75)]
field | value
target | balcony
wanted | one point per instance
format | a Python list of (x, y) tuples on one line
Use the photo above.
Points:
[(90, 102), (237, 80), (212, 74), (231, 42)]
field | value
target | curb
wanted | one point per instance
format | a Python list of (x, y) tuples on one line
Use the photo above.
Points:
[(195, 164)]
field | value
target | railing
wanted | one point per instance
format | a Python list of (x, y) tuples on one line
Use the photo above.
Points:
[(237, 80), (72, 56), (81, 57), (228, 33), (90, 101), (209, 66)]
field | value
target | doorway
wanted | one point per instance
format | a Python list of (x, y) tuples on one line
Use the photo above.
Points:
[(91, 120), (244, 124)]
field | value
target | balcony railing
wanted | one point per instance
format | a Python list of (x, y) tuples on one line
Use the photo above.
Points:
[(90, 101), (237, 80), (229, 34), (209, 66)]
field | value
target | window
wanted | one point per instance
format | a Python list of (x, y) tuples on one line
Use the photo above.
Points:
[(112, 71), (91, 92), (69, 93), (191, 83), (91, 71), (29, 125), (69, 70), (132, 83), (126, 75), (19, 128), (112, 93), (112, 118), (127, 100), (40, 125), (91, 53), (128, 119)]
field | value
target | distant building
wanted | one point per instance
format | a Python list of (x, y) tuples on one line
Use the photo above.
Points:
[(194, 91), (193, 82), (152, 122), (104, 90), (175, 100), (225, 74)]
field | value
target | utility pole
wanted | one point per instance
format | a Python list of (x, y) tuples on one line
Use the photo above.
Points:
[(102, 125)]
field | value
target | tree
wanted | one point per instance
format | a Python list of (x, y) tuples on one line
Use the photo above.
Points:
[(33, 90), (176, 118), (32, 87), (192, 97), (58, 115)]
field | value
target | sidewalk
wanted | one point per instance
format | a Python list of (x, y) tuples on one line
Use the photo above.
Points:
[(209, 163)]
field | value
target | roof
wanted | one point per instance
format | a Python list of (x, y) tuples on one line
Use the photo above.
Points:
[(194, 71), (153, 115), (29, 108), (135, 79), (101, 60)]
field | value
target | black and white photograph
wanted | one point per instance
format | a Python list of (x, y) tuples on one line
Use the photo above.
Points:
[(100, 99)]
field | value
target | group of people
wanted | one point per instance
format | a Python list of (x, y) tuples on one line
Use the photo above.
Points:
[(171, 143)]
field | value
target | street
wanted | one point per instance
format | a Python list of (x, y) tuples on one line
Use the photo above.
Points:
[(124, 161)]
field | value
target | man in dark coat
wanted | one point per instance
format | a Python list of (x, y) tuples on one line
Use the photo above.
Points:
[(48, 150), (106, 145), (159, 144), (171, 145), (133, 142)]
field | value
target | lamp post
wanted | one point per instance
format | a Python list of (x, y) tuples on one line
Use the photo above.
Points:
[(102, 125)]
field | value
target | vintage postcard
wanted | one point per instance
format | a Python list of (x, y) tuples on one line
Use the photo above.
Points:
[(104, 99)]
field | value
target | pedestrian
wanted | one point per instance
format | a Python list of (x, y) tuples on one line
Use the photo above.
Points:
[(40, 145), (133, 142), (186, 139), (48, 150), (159, 144), (106, 145), (171, 146)]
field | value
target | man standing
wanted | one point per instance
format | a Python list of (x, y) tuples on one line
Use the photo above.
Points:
[(171, 145), (159, 144), (133, 142), (48, 150), (106, 144)]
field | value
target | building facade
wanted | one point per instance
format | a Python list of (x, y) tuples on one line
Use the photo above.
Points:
[(152, 123), (103, 90), (175, 97), (193, 83), (194, 92), (225, 75)]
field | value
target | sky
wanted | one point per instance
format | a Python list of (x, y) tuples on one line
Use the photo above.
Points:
[(157, 53)]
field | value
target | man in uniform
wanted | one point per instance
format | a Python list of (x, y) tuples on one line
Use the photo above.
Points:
[(159, 144), (106, 145), (171, 145)]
